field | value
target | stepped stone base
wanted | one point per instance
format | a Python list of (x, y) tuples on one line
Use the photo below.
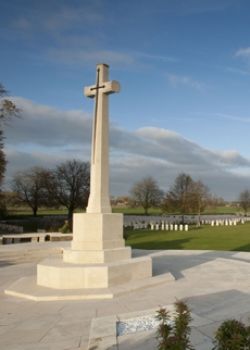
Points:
[(97, 263), (54, 273), (27, 288), (96, 256)]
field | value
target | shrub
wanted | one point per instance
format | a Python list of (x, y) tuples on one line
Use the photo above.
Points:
[(232, 335), (174, 335)]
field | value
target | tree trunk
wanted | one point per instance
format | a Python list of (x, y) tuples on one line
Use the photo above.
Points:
[(34, 211)]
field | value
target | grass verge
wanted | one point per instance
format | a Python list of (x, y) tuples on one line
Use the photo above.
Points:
[(230, 238)]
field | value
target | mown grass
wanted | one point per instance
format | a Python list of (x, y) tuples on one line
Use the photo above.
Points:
[(230, 238), (137, 211), (25, 211)]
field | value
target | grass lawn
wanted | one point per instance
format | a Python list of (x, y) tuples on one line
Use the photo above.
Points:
[(137, 211), (16, 213), (236, 238)]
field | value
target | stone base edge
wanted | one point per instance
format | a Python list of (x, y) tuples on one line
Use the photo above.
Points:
[(27, 288)]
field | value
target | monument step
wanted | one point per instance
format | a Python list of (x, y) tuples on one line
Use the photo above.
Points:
[(96, 256), (27, 288), (55, 273)]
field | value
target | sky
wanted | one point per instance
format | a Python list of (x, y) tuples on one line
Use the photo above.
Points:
[(184, 71)]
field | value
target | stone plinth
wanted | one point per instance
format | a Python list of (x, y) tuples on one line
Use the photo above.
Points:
[(54, 273), (98, 257), (97, 231)]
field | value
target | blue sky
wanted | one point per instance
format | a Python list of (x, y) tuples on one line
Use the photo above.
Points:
[(184, 70)]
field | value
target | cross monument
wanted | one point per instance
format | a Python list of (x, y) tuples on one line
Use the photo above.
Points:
[(98, 258), (99, 201), (97, 265)]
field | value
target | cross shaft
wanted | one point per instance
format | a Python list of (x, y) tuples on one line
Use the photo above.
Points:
[(99, 201)]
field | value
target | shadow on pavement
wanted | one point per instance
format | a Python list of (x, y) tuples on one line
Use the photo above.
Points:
[(177, 263)]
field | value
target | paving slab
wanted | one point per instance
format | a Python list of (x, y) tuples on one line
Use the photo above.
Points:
[(215, 285)]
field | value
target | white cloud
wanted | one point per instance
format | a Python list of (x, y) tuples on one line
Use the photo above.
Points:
[(238, 71), (83, 56), (155, 57), (57, 18), (46, 136), (243, 52), (47, 126), (183, 80), (233, 117)]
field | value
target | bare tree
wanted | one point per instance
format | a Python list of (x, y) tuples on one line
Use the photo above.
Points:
[(69, 184), (7, 110), (244, 200), (29, 188), (199, 198), (147, 193), (179, 196), (186, 196)]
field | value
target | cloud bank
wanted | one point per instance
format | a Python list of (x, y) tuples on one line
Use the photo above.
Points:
[(46, 136)]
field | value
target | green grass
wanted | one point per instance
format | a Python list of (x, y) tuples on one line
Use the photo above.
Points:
[(137, 211), (234, 238), (26, 211), (222, 210)]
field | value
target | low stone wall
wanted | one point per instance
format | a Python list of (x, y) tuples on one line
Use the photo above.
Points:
[(35, 237)]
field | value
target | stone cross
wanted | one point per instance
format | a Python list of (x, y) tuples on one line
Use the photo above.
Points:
[(99, 201)]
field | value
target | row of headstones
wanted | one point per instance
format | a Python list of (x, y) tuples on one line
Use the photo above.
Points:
[(162, 226), (227, 222), (168, 227)]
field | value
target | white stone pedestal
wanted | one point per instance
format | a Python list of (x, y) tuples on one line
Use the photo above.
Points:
[(98, 257)]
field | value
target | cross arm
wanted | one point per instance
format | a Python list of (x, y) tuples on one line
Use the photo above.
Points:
[(107, 87), (90, 91), (111, 87)]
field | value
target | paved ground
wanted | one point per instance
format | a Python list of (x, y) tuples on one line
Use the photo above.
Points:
[(216, 286)]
